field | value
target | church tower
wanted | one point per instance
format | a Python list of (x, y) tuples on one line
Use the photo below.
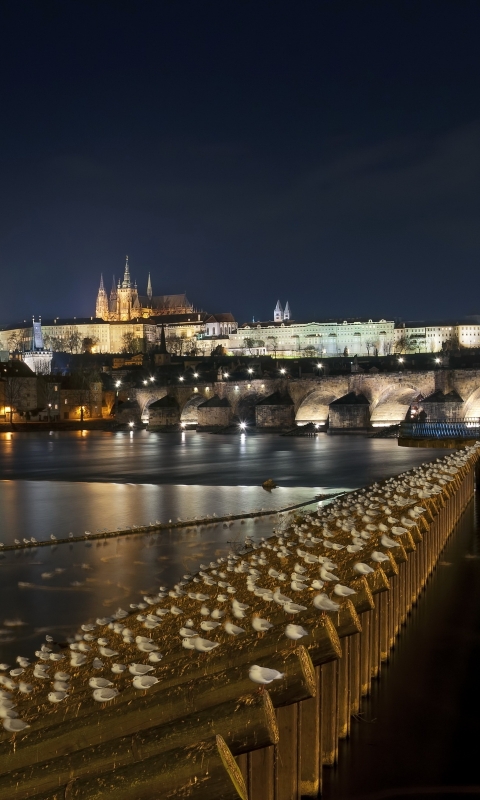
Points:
[(287, 314), (149, 288), (112, 305), (278, 313), (127, 296), (101, 309)]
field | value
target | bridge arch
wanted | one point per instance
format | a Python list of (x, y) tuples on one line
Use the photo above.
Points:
[(189, 413), (245, 407), (471, 406), (314, 408), (393, 403)]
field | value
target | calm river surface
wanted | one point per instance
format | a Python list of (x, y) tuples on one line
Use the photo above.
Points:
[(71, 482)]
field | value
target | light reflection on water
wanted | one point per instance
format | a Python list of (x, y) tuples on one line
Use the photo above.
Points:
[(75, 482), (96, 577)]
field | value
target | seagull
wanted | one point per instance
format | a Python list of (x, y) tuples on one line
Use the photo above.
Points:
[(326, 575), (295, 632), (387, 542), (106, 652), (261, 625), (187, 643), (293, 608), (144, 682), (57, 697), (99, 683), (204, 645), (362, 569), (209, 625), (14, 725), (343, 591), (262, 675), (280, 598), (102, 695), (139, 669), (323, 603), (117, 669), (233, 630)]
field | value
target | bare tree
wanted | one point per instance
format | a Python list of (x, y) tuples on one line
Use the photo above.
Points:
[(452, 344), (47, 391), (12, 392), (16, 342), (131, 344), (176, 344), (89, 343), (273, 344), (73, 340), (401, 344)]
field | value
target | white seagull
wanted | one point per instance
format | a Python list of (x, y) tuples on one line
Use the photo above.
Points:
[(262, 675)]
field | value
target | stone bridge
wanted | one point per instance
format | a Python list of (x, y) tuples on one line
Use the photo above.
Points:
[(389, 394)]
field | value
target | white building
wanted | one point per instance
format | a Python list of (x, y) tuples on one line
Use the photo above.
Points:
[(423, 337), (287, 339)]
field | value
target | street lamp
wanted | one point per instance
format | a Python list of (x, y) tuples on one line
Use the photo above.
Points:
[(181, 378), (152, 379), (195, 374), (243, 425), (283, 371), (400, 360), (117, 386), (226, 374), (250, 371), (131, 424)]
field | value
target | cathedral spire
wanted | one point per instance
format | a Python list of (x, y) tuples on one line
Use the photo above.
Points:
[(149, 288), (101, 308), (126, 284)]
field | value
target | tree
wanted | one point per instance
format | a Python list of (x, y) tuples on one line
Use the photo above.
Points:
[(12, 393), (176, 344), (47, 392), (452, 344), (273, 344), (401, 344), (131, 344), (73, 340), (89, 343), (248, 344), (16, 341), (55, 343), (82, 383), (310, 351)]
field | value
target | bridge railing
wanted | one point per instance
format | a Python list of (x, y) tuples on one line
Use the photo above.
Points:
[(467, 428)]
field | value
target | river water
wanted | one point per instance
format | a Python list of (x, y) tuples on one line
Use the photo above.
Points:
[(71, 482)]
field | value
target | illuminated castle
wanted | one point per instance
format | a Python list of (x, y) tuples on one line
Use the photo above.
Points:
[(125, 303)]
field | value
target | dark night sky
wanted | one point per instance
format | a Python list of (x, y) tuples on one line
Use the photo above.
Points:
[(324, 152)]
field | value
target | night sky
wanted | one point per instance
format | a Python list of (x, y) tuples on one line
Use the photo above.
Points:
[(325, 152)]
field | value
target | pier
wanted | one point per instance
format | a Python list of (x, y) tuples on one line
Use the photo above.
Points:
[(200, 727)]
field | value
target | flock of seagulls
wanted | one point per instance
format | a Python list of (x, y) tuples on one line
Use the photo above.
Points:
[(310, 564)]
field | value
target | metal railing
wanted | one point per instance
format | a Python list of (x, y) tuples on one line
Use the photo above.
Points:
[(468, 428)]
